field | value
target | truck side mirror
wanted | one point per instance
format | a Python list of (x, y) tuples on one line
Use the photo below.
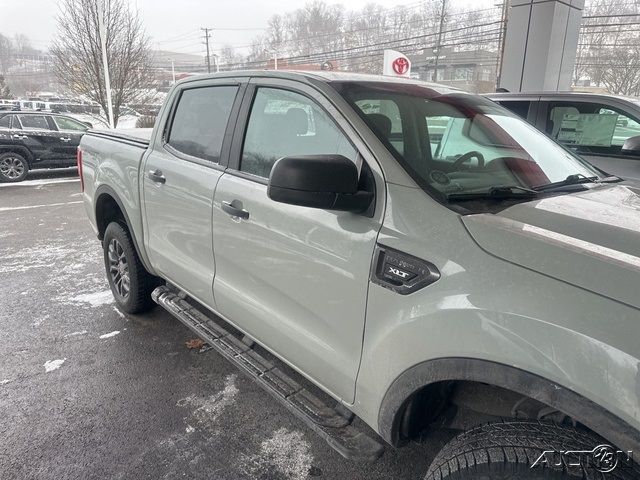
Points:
[(329, 182), (632, 145)]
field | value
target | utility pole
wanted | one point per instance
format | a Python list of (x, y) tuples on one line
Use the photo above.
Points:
[(437, 49), (207, 36)]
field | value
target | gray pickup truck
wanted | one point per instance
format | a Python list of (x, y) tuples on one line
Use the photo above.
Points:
[(392, 251)]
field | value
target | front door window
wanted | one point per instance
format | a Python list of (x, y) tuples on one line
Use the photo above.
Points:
[(285, 123)]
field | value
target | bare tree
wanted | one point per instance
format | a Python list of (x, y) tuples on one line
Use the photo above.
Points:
[(7, 51), (607, 53), (23, 45), (229, 57), (78, 59)]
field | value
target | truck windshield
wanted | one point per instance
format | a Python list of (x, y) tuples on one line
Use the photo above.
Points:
[(455, 143)]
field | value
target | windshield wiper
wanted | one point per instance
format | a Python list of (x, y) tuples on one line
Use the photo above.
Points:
[(576, 179), (497, 192)]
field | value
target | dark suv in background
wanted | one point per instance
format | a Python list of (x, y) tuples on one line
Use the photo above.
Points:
[(604, 129), (35, 139)]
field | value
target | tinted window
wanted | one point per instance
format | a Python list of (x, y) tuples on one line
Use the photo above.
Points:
[(284, 124), (36, 122), (65, 123), (5, 122), (520, 108), (201, 120), (590, 128)]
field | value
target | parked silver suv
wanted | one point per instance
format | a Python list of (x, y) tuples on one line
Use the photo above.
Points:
[(424, 257)]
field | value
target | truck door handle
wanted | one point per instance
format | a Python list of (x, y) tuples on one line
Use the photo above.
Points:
[(157, 176), (235, 211), (65, 139), (20, 137)]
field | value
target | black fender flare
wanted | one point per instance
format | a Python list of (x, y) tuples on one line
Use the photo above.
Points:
[(587, 412), (107, 190), (19, 149)]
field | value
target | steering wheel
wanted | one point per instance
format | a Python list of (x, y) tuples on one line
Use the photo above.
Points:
[(463, 158)]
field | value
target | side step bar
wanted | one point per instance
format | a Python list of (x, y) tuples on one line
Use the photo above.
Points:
[(325, 420)]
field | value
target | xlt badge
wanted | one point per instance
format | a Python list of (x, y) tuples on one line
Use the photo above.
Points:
[(400, 272)]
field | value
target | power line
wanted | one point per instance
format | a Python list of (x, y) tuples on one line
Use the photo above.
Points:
[(342, 33)]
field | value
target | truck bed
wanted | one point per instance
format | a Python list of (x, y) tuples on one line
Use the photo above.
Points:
[(138, 136)]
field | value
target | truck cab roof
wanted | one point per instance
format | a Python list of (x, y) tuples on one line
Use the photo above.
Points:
[(325, 76)]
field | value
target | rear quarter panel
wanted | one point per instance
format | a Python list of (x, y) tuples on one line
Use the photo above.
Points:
[(114, 164)]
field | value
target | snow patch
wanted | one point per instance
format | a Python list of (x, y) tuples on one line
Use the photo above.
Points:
[(67, 268), (285, 455), (189, 428), (5, 381), (96, 299), (44, 181), (51, 365), (208, 410), (75, 334), (29, 207), (115, 309), (38, 321), (109, 335)]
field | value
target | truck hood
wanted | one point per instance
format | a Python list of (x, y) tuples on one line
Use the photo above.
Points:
[(589, 239)]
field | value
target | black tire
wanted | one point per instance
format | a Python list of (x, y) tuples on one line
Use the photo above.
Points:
[(13, 167), (127, 271), (507, 450)]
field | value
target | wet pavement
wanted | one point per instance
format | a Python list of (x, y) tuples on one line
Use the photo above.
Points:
[(87, 392)]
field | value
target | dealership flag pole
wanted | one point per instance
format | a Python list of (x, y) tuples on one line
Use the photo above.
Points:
[(105, 64)]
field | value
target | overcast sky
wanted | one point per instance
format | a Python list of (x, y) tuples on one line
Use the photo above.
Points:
[(174, 24)]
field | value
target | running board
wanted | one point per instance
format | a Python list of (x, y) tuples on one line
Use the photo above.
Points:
[(325, 420)]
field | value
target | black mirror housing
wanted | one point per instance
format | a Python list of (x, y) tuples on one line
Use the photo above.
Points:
[(327, 182)]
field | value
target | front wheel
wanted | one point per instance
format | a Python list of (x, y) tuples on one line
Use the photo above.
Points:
[(13, 167), (530, 450), (130, 282)]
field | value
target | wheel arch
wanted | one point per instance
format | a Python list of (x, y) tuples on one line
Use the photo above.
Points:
[(23, 151), (109, 207), (421, 377)]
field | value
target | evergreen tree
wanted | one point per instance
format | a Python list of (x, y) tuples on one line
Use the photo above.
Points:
[(5, 91)]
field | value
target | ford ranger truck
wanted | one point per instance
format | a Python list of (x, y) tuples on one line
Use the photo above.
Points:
[(390, 250)]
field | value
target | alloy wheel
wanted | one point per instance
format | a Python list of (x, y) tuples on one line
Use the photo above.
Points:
[(11, 167), (119, 269)]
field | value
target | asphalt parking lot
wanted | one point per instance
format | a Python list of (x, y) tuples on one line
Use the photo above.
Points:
[(87, 392)]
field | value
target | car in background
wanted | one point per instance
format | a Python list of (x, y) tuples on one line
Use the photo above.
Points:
[(603, 129), (30, 140)]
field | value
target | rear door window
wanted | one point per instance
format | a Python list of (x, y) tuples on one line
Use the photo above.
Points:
[(34, 122), (65, 123), (590, 128), (200, 121), (5, 122)]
